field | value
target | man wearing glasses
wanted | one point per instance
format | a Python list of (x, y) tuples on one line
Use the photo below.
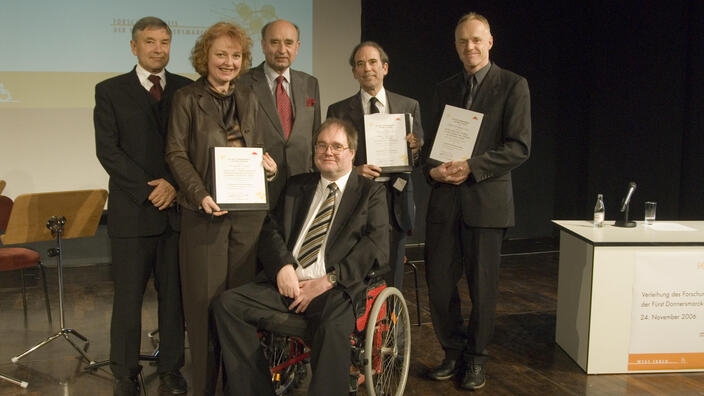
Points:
[(329, 231)]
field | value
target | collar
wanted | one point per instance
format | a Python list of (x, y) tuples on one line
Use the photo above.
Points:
[(271, 74), (341, 182), (479, 75), (380, 96), (143, 76)]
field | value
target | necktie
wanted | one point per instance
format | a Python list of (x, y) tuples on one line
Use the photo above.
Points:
[(471, 87), (372, 105), (283, 106), (318, 230), (156, 89)]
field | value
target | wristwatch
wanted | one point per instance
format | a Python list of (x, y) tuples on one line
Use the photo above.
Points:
[(332, 277)]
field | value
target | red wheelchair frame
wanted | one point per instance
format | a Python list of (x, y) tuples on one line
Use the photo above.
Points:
[(380, 350)]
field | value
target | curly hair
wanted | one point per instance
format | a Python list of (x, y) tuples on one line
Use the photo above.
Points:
[(199, 54)]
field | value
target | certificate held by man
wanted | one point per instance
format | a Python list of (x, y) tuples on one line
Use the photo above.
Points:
[(386, 144), (239, 181), (456, 136)]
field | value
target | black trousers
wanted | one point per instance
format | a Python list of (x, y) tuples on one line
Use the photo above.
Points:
[(240, 312), (134, 260), (451, 249)]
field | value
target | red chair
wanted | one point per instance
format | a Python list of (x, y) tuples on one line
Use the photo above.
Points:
[(17, 258)]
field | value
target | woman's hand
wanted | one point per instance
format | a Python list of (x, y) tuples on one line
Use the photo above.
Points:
[(210, 207)]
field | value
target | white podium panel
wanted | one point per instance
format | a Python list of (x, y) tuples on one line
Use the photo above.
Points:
[(595, 304)]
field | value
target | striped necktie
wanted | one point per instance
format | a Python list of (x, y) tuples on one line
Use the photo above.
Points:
[(318, 230)]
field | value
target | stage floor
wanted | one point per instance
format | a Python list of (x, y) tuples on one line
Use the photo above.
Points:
[(524, 357)]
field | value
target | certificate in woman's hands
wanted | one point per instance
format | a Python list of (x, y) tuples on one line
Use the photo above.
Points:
[(239, 182)]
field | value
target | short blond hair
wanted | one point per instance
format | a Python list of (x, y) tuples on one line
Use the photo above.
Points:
[(473, 15), (199, 54)]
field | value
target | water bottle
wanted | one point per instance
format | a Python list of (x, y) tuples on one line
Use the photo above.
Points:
[(599, 211)]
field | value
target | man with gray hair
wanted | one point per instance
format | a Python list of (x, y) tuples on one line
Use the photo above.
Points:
[(130, 117)]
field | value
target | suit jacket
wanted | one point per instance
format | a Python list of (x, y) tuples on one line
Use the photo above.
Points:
[(130, 133), (503, 143), (402, 205), (358, 239), (295, 155), (195, 126)]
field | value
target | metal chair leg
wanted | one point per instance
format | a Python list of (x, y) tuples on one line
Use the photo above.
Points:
[(415, 277), (46, 293), (20, 383), (24, 294)]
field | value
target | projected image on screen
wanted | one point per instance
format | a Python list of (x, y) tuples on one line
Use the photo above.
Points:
[(81, 36)]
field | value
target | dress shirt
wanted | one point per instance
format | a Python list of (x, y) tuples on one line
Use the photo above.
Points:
[(317, 269), (143, 76), (271, 76), (382, 104), (479, 76)]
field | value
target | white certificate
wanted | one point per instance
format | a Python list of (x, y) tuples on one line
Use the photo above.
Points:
[(386, 145), (239, 182), (457, 134)]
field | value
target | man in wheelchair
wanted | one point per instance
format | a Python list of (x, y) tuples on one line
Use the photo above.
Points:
[(328, 233)]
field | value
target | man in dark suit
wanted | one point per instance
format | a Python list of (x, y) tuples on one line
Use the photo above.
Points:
[(328, 233), (471, 202), (289, 102), (131, 114), (370, 64)]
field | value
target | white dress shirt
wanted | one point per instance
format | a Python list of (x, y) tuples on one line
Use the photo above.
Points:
[(143, 76), (317, 269)]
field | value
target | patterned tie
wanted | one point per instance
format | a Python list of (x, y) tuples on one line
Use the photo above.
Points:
[(372, 105), (471, 87), (156, 89), (318, 230), (283, 106)]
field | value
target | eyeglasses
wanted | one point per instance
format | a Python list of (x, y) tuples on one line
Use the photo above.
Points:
[(336, 148)]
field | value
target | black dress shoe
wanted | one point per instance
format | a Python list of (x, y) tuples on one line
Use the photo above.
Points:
[(172, 383), (444, 371), (474, 376), (126, 386)]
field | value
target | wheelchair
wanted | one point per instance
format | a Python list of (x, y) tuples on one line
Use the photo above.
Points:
[(381, 348)]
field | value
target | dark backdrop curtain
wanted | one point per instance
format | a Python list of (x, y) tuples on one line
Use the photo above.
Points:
[(616, 90)]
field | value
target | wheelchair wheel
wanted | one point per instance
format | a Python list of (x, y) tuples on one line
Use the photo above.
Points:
[(280, 352), (387, 345)]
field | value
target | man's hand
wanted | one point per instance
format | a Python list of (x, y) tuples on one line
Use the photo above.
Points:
[(269, 165), (368, 171), (310, 289), (454, 172), (287, 282), (163, 194), (210, 207), (413, 143)]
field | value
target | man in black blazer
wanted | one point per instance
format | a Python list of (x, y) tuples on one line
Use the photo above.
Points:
[(370, 64), (327, 292), (130, 116), (287, 138), (471, 202)]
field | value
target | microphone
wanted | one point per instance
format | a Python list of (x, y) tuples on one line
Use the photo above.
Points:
[(624, 208), (627, 199)]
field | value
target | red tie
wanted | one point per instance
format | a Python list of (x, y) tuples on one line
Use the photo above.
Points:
[(283, 106), (156, 89)]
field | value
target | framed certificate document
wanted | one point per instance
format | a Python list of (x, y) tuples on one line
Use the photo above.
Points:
[(239, 181), (456, 136), (386, 145)]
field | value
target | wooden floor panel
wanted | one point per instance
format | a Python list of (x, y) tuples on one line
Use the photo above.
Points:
[(524, 357)]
